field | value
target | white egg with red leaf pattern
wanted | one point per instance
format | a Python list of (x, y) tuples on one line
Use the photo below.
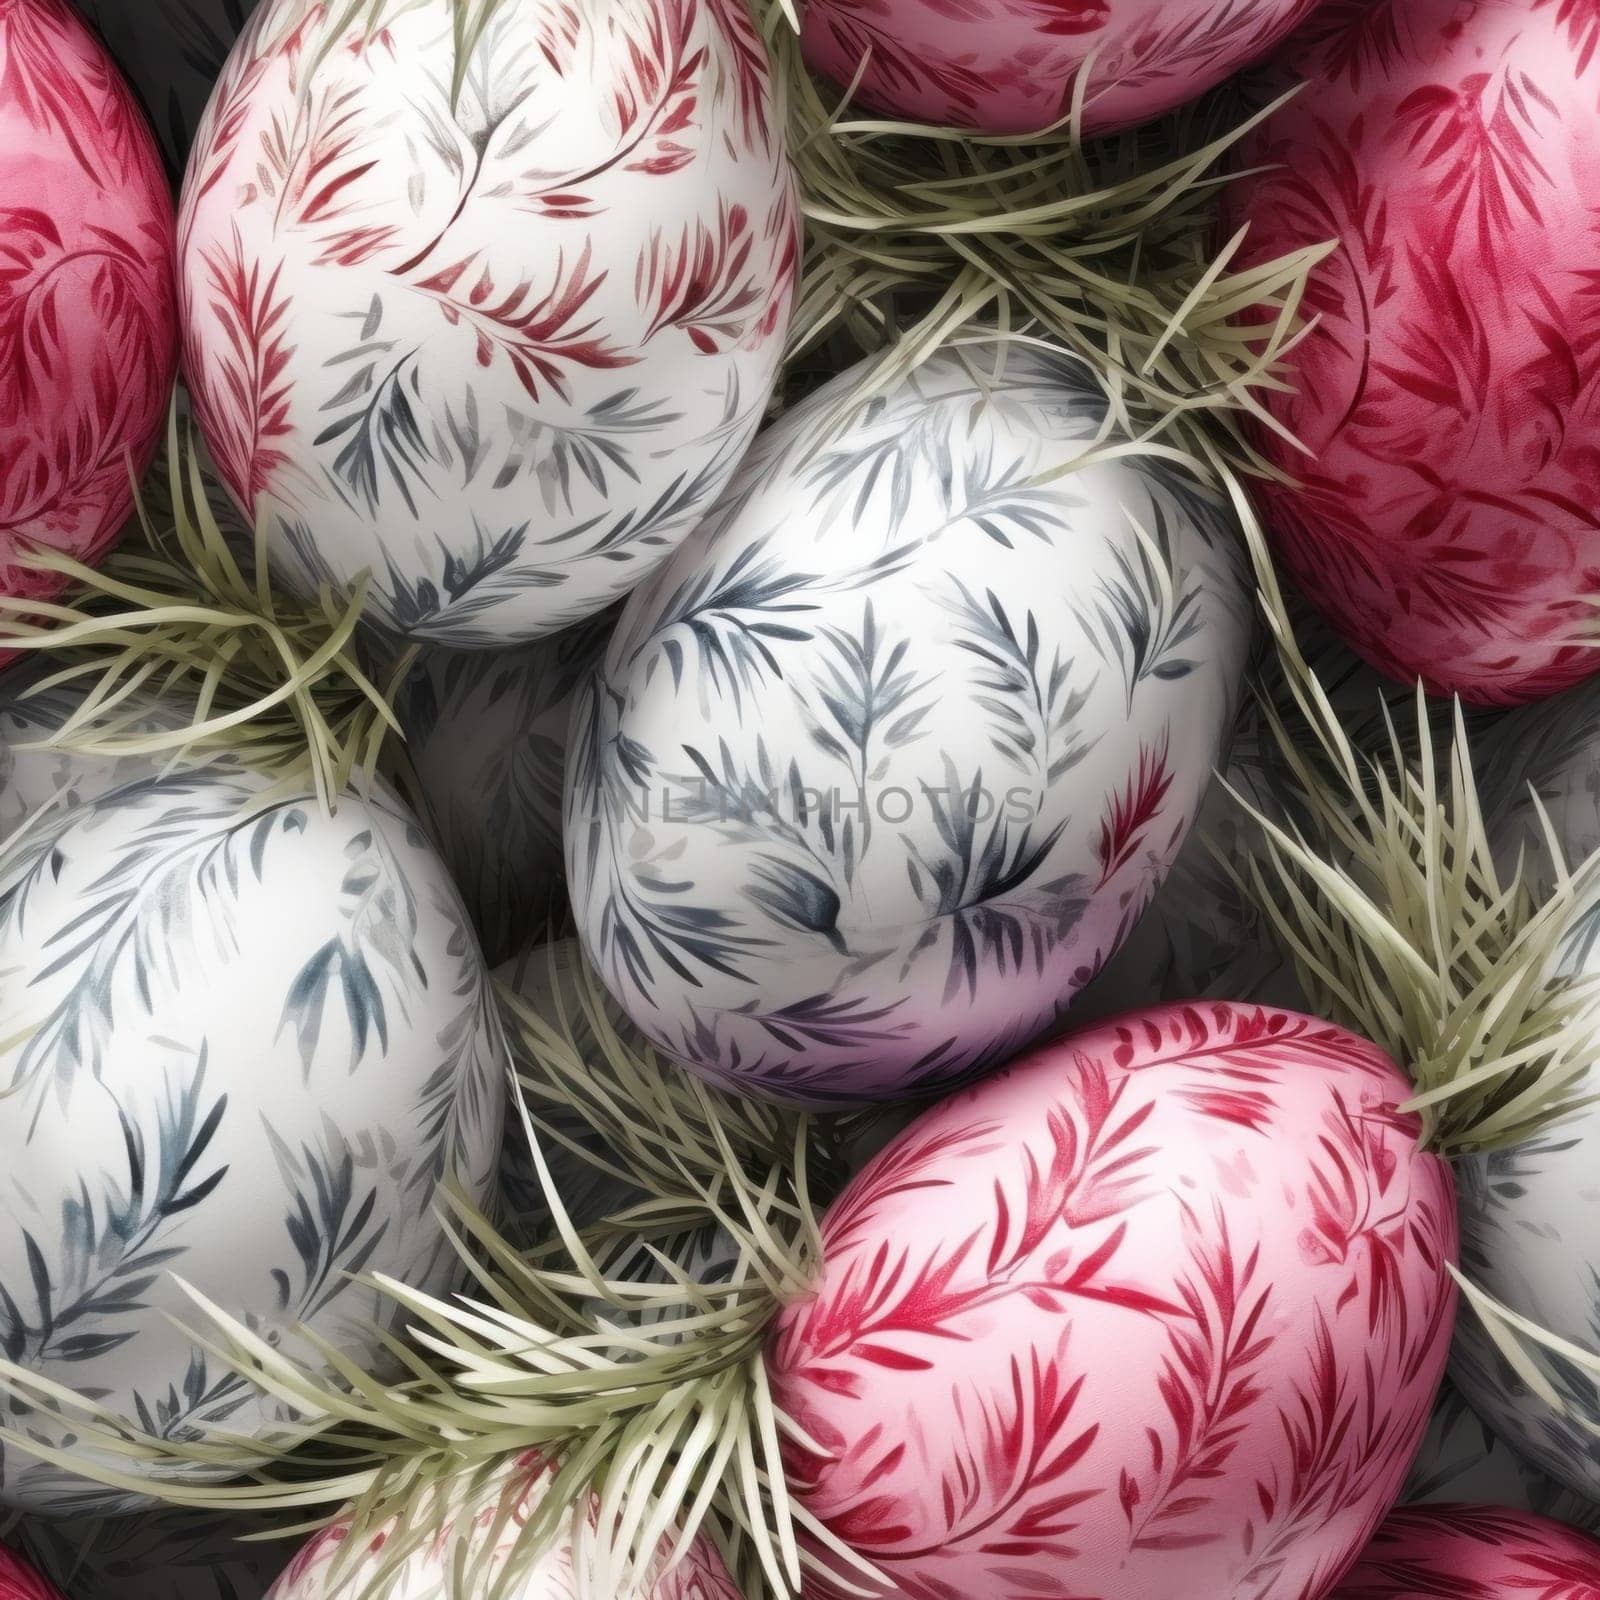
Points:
[(499, 1511), (889, 758), (496, 330), (1157, 1312)]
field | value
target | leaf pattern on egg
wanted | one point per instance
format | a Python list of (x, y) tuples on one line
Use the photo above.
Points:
[(500, 347)]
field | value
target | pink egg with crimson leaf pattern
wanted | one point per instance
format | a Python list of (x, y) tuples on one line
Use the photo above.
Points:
[(88, 323), (1443, 513), (1156, 1312), (1474, 1553), (1010, 66)]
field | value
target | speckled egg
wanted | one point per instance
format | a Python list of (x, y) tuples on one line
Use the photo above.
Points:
[(88, 320), (497, 330), (887, 760), (1465, 1552), (486, 739), (481, 1530), (1442, 511), (1011, 66), (1158, 1311), (171, 52), (243, 1040)]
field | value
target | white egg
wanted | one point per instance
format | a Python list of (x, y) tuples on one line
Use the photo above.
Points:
[(495, 330), (486, 738), (886, 761), (242, 1041)]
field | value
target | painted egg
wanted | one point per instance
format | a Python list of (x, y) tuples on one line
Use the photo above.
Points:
[(1473, 1553), (88, 322), (1461, 1461), (1443, 513), (496, 331), (700, 1575), (486, 734), (157, 1555), (19, 1582), (1530, 1215), (172, 53), (243, 1041), (1011, 66), (1158, 1310), (888, 758)]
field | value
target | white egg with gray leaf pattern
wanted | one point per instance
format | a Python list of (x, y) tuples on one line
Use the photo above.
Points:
[(486, 739), (887, 760), (241, 1041)]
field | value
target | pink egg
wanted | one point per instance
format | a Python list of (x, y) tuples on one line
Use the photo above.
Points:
[(462, 1532), (88, 322), (19, 1582), (1474, 1553), (1009, 66), (1157, 1313), (1447, 518)]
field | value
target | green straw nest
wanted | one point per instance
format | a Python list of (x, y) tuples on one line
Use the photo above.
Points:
[(914, 237), (180, 612), (1387, 893)]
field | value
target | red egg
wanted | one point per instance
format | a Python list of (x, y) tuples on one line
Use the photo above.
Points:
[(1156, 1313), (1447, 516), (1474, 1553), (88, 324), (1009, 66), (19, 1582)]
